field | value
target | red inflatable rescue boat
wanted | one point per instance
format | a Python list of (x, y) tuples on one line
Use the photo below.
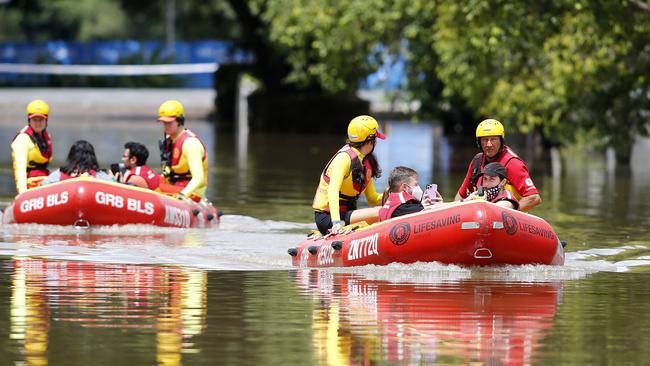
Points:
[(468, 233), (87, 201)]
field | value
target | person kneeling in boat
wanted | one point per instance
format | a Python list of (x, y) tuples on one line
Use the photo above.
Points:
[(490, 138), (81, 160), (346, 176), (183, 154), (136, 172), (31, 148), (492, 182), (404, 195)]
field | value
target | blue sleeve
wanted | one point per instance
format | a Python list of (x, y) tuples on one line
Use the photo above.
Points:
[(54, 177), (104, 176)]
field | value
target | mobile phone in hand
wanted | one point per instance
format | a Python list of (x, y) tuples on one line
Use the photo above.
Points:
[(431, 190)]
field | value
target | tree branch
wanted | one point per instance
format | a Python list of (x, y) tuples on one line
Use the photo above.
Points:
[(641, 5)]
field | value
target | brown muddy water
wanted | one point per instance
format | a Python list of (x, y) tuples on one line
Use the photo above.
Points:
[(229, 296)]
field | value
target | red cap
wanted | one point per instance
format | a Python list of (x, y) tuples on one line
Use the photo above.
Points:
[(165, 119)]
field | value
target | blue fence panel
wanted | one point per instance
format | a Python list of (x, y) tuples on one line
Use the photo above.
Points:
[(390, 76)]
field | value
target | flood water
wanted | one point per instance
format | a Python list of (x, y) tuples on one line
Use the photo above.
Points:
[(143, 295)]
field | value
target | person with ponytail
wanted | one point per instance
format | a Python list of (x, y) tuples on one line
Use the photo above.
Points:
[(347, 175)]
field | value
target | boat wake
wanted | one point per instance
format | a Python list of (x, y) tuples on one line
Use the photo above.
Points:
[(246, 243)]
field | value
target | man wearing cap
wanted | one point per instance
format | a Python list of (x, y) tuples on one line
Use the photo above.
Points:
[(346, 176), (183, 154), (490, 136), (492, 182), (31, 148)]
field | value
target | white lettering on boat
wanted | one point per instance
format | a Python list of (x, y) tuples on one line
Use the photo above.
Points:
[(325, 255), (136, 205), (32, 204), (363, 247), (55, 199), (38, 203), (109, 199), (176, 216)]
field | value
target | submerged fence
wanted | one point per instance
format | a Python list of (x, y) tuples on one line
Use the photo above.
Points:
[(135, 63), (131, 63)]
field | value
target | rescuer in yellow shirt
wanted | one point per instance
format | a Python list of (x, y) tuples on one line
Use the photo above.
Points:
[(347, 175), (184, 156), (31, 148)]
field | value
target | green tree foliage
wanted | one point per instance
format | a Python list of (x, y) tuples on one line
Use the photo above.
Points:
[(42, 20), (331, 43), (562, 66), (88, 20)]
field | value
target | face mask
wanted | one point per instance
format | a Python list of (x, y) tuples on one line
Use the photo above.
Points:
[(417, 193), (491, 193)]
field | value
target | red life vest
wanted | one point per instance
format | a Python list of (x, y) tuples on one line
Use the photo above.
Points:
[(151, 177), (479, 162), (393, 202), (361, 172), (65, 176), (174, 150), (505, 195), (44, 145)]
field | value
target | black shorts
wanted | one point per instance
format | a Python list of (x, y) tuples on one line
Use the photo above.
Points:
[(324, 220)]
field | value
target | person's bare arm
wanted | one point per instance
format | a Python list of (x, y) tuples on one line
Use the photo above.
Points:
[(137, 181), (528, 202)]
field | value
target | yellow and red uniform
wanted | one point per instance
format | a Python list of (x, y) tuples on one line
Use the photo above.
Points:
[(188, 167), (31, 155), (343, 180)]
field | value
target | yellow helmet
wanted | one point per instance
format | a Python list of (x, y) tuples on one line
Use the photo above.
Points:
[(362, 128), (170, 111), (490, 127), (38, 108)]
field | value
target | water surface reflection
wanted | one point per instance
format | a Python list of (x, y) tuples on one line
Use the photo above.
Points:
[(361, 321), (65, 312), (52, 301)]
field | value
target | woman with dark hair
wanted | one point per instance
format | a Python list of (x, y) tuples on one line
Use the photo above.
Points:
[(347, 175), (81, 160)]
